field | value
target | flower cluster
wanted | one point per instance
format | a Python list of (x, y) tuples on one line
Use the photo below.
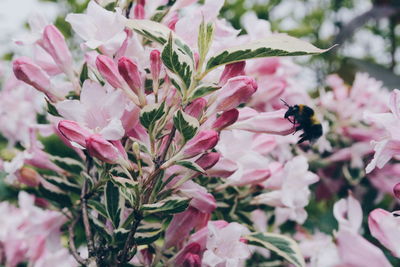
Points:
[(163, 141)]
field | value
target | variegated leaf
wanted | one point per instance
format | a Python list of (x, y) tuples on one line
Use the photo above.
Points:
[(203, 90), (280, 244), (169, 205), (190, 165), (148, 233), (178, 61), (186, 125), (114, 203), (275, 45), (150, 114)]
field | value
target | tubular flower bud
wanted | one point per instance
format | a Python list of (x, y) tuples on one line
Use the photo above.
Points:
[(130, 72), (138, 11), (29, 177), (54, 43), (109, 71), (396, 190), (74, 132), (27, 71), (208, 160), (226, 119), (102, 149), (236, 91), (155, 68), (202, 142), (195, 108), (232, 70)]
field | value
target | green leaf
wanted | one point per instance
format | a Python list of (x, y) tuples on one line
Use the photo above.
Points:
[(68, 164), (99, 207), (148, 233), (51, 109), (186, 125), (101, 229), (280, 244), (190, 165), (84, 74), (203, 90), (169, 205), (150, 29), (206, 33), (114, 203), (124, 182), (179, 62), (150, 114), (275, 45)]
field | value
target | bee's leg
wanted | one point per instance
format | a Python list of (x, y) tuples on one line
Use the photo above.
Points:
[(302, 139), (298, 128)]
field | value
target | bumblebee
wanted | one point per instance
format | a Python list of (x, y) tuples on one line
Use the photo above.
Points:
[(305, 119)]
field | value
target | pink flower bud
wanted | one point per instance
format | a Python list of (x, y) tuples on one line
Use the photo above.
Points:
[(195, 108), (74, 132), (139, 12), (27, 71), (208, 160), (102, 149), (130, 72), (155, 64), (29, 177), (181, 225), (192, 260), (109, 70), (396, 190), (232, 70), (226, 119), (171, 22), (54, 43), (272, 122), (236, 91), (186, 257), (202, 142)]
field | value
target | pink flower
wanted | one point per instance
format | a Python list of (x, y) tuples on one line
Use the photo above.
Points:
[(396, 190), (74, 132), (54, 43), (181, 225), (354, 250), (388, 147), (203, 141), (99, 28), (293, 194), (201, 199), (226, 119), (109, 71), (98, 110), (232, 70), (348, 213), (30, 73), (264, 122), (224, 246), (103, 149), (189, 256), (196, 108), (385, 227), (155, 65), (130, 72), (236, 91), (208, 160)]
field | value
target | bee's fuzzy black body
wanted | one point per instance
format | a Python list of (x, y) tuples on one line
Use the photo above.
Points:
[(305, 119)]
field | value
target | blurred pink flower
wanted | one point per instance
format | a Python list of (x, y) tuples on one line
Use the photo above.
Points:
[(99, 28), (224, 246), (385, 227)]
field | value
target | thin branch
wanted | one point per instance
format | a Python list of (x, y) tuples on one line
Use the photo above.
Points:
[(71, 243), (130, 241), (86, 223), (167, 145)]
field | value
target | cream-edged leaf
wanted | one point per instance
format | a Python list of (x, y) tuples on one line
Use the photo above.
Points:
[(186, 125), (275, 45), (280, 244)]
